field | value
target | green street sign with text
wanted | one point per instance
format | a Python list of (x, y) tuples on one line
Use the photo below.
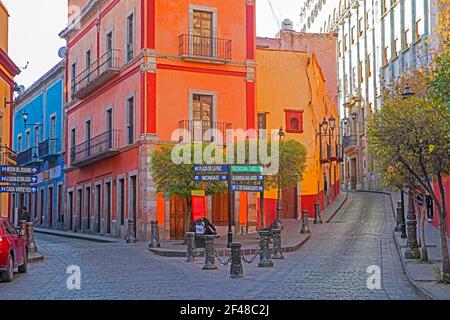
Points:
[(247, 169)]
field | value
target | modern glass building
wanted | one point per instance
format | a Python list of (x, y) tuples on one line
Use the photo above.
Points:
[(377, 41)]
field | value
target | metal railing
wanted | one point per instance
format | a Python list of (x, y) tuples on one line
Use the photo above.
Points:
[(110, 61), (28, 156), (96, 146), (204, 131), (49, 147), (205, 47)]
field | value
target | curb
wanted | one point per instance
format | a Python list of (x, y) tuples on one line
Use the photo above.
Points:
[(35, 257), (73, 236), (418, 289), (338, 208), (226, 252)]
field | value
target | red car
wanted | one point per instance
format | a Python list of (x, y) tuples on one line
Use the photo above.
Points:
[(13, 251)]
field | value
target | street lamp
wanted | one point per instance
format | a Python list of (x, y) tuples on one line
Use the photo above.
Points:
[(354, 115), (278, 225), (25, 119), (412, 247)]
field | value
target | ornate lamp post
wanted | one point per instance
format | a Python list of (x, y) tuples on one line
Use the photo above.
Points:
[(412, 248), (278, 225), (332, 124)]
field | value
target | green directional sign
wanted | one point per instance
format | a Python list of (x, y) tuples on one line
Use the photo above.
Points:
[(247, 169)]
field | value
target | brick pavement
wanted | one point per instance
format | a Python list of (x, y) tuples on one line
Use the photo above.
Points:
[(332, 265)]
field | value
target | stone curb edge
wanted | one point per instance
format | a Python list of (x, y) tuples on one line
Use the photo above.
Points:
[(421, 291), (35, 257), (73, 236), (182, 254)]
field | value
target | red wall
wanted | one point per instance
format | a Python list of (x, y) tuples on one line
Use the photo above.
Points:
[(447, 198)]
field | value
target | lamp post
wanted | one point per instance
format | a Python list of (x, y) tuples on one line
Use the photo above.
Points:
[(412, 248), (278, 225), (332, 124)]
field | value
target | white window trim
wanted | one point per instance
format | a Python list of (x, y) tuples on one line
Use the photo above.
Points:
[(133, 13), (131, 95)]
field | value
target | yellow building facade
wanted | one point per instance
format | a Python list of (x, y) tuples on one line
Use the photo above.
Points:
[(292, 94), (8, 70)]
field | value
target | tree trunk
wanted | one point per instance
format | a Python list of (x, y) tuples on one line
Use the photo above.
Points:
[(423, 243), (442, 211), (261, 210), (188, 215)]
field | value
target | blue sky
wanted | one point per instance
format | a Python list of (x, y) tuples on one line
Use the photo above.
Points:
[(34, 30)]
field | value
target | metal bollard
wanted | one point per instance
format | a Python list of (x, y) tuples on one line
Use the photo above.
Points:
[(277, 253), (305, 228), (236, 270), (23, 228), (191, 252), (399, 219), (210, 258), (317, 217), (154, 243), (264, 256), (32, 247), (131, 238)]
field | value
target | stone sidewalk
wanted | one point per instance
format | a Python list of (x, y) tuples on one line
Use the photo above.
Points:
[(292, 240), (421, 274)]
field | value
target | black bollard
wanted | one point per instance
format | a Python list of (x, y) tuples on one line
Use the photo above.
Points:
[(154, 243), (277, 253), (305, 227), (264, 256), (399, 219), (317, 217), (236, 269), (210, 258), (191, 252)]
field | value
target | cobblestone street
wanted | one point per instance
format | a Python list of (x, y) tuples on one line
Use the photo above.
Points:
[(332, 265)]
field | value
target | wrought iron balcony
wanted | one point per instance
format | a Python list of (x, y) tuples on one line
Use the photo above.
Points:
[(350, 141), (28, 157), (201, 48), (7, 156), (49, 149), (204, 131), (97, 74), (95, 149)]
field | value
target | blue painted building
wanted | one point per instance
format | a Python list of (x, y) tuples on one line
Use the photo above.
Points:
[(38, 139)]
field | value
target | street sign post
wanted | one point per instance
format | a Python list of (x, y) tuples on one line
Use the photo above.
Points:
[(241, 178), (19, 179), (17, 189), (247, 188), (211, 178), (19, 170)]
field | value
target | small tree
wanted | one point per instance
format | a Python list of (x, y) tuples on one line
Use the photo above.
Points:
[(412, 134), (178, 179)]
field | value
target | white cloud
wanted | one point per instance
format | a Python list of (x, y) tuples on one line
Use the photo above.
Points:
[(33, 35)]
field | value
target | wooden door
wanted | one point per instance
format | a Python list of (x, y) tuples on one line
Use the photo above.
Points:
[(177, 218), (202, 33), (289, 203), (219, 210)]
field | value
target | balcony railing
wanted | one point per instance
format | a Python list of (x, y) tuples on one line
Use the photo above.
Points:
[(28, 157), (204, 47), (7, 156), (95, 149), (205, 131), (350, 141), (49, 149), (97, 74)]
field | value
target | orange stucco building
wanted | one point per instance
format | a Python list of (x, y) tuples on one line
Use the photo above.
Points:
[(8, 70), (292, 93), (136, 71)]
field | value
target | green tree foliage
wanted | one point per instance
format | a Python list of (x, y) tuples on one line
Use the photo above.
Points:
[(410, 141)]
